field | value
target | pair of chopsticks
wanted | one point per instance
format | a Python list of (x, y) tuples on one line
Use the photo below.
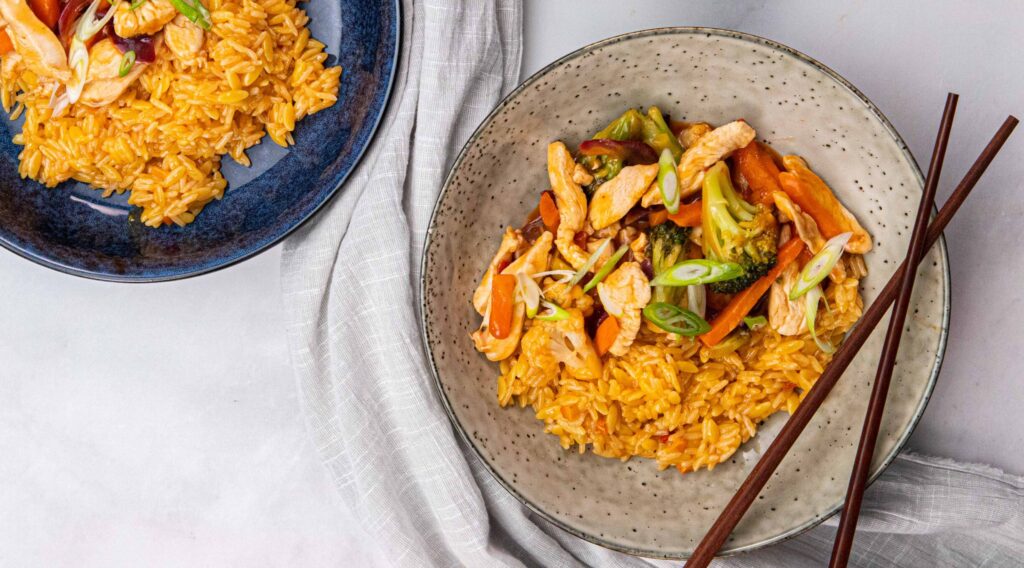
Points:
[(897, 289)]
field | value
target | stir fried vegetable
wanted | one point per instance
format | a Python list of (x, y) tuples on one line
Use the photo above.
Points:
[(812, 299), (606, 334), (756, 322), (194, 11), (820, 265), (674, 319), (549, 211), (552, 312), (503, 288), (606, 268), (741, 304), (689, 214), (736, 231), (6, 46), (668, 181), (589, 265), (48, 11), (697, 271), (658, 135), (529, 292), (127, 62), (757, 167), (667, 244), (808, 191)]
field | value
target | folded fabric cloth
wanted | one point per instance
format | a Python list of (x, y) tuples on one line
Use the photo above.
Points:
[(350, 281)]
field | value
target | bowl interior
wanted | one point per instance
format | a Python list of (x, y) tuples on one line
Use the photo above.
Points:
[(73, 229), (697, 74)]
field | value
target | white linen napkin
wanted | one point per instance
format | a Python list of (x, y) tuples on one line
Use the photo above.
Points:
[(350, 280)]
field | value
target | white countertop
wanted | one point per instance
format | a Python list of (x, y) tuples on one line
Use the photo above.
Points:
[(159, 424)]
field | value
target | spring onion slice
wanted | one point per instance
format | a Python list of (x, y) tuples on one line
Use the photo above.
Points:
[(127, 62), (553, 312), (813, 295), (697, 299), (674, 319), (529, 292), (606, 268), (755, 322), (78, 60), (697, 271), (136, 4), (585, 269), (668, 181), (820, 265), (193, 10), (88, 25), (563, 275)]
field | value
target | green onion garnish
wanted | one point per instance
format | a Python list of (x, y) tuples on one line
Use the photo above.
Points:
[(668, 181), (88, 25), (697, 271), (553, 312), (135, 4), (606, 268), (529, 291), (697, 299), (753, 323), (812, 297), (195, 11), (820, 265), (127, 62), (674, 319), (585, 269)]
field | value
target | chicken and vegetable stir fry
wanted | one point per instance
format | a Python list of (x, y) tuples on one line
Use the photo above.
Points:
[(658, 236)]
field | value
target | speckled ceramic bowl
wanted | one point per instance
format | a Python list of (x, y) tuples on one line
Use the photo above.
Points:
[(798, 106), (74, 230)]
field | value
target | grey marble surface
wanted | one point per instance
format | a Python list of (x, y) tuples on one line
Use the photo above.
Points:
[(159, 425)]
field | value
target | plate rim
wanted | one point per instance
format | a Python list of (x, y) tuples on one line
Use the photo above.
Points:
[(529, 81), (56, 265)]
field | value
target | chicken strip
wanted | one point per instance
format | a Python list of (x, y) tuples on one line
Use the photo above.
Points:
[(814, 196), (581, 176), (784, 315), (623, 294), (184, 39), (510, 241), (498, 349), (103, 82), (806, 229), (571, 202), (548, 343), (692, 132), (705, 152), (617, 196), (34, 42), (146, 19)]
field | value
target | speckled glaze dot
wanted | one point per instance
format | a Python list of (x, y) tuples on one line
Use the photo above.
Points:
[(798, 106)]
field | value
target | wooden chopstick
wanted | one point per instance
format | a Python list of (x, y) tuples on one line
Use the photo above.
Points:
[(887, 361), (764, 468)]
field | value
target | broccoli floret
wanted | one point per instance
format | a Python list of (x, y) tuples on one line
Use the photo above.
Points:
[(736, 231), (667, 242)]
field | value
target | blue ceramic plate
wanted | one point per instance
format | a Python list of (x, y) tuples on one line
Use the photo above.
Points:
[(74, 230)]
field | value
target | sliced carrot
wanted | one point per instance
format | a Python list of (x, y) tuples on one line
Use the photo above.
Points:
[(606, 334), (658, 217), (808, 191), (742, 303), (503, 288), (805, 256), (549, 211), (689, 215), (6, 46), (48, 11), (756, 166)]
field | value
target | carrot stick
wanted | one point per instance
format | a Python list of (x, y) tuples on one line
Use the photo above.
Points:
[(606, 334), (658, 217), (689, 215), (742, 303), (503, 287), (6, 46), (756, 165), (549, 211)]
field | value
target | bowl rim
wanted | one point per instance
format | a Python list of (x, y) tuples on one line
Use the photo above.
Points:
[(687, 30), (63, 268)]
